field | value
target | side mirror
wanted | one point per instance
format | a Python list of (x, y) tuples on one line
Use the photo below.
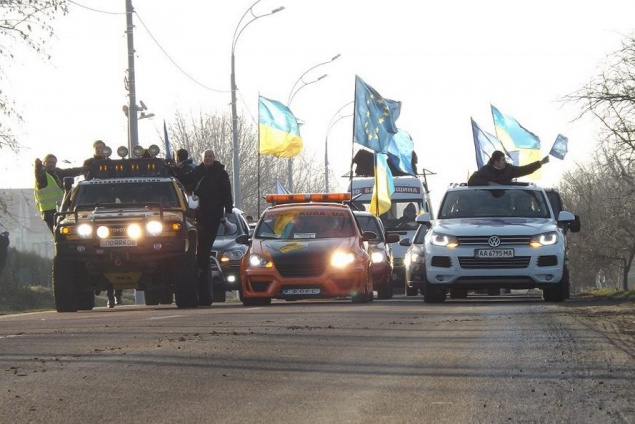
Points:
[(244, 239), (369, 235), (405, 242), (424, 219), (576, 225), (192, 202)]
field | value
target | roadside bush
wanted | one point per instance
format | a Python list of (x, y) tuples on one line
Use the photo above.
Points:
[(25, 283)]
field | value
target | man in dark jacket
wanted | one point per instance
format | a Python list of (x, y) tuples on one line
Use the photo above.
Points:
[(184, 166), (499, 172), (211, 185)]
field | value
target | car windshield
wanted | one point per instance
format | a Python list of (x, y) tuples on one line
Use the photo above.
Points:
[(400, 216), (494, 203), (126, 192), (369, 223), (305, 224)]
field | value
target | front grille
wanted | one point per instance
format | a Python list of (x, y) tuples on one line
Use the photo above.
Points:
[(470, 262), (305, 270), (550, 260), (260, 286), (441, 261), (397, 262), (482, 240)]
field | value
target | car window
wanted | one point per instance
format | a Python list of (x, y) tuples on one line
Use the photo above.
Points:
[(305, 224), (155, 192), (369, 223), (494, 203)]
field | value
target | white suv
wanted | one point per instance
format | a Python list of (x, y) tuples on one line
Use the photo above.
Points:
[(494, 237)]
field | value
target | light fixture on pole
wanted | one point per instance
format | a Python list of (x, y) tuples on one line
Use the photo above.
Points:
[(335, 119), (235, 162), (292, 93)]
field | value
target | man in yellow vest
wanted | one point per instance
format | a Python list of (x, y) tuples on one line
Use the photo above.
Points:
[(48, 186)]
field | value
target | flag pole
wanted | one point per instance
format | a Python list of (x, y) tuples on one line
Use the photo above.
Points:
[(376, 183), (258, 162), (350, 178)]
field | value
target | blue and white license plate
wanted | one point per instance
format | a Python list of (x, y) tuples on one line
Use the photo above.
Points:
[(300, 291), (494, 253), (117, 243)]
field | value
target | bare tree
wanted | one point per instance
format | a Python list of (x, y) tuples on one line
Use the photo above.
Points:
[(24, 22), (258, 174), (604, 199)]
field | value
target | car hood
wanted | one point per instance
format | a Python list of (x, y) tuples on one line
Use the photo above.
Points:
[(486, 226), (224, 243), (291, 251)]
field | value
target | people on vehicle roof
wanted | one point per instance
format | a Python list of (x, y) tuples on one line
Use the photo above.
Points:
[(498, 172)]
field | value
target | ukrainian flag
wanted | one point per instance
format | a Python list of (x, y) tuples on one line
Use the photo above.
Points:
[(384, 186), (278, 128)]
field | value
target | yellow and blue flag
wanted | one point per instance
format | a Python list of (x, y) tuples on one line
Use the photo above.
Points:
[(374, 117), (278, 128), (485, 144), (514, 136), (384, 186)]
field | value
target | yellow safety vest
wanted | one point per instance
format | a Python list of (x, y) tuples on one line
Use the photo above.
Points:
[(46, 198)]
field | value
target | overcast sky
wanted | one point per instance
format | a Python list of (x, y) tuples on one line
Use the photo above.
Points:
[(445, 61)]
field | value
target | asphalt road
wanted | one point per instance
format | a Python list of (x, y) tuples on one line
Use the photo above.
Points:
[(507, 359)]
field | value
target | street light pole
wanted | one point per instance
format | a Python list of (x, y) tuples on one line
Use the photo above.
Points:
[(326, 142), (292, 94), (133, 133), (235, 161)]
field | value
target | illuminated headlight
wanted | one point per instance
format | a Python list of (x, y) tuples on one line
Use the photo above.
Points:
[(438, 239), (103, 232), (154, 228), (342, 259), (545, 239), (84, 230), (416, 257), (377, 257), (258, 261), (231, 255), (134, 231)]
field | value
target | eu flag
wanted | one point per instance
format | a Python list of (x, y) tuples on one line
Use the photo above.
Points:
[(560, 147), (374, 117), (400, 151)]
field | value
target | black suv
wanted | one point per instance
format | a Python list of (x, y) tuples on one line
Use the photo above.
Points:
[(128, 225)]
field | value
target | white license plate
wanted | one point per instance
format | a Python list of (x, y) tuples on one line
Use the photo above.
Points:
[(494, 253), (300, 291), (117, 243)]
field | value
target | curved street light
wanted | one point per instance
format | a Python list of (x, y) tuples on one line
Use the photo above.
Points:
[(235, 162), (294, 90), (334, 120)]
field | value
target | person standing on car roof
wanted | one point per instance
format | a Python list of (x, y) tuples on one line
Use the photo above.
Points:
[(48, 186), (211, 184), (184, 166), (498, 172)]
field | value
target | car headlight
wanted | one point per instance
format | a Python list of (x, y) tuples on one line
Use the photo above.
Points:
[(84, 230), (377, 257), (231, 255), (342, 259), (438, 239), (259, 262), (134, 231), (417, 257), (103, 231), (545, 239), (154, 228)]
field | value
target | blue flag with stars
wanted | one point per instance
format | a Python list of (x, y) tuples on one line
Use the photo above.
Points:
[(374, 117), (560, 147)]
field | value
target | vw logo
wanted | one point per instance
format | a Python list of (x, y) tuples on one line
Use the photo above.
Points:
[(494, 241)]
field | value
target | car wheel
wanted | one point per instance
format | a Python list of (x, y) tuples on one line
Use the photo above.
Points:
[(186, 294), (493, 292), (218, 291), (458, 293), (384, 293), (152, 297), (433, 294), (64, 290)]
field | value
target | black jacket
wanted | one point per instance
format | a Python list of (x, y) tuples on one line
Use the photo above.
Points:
[(212, 186), (504, 176)]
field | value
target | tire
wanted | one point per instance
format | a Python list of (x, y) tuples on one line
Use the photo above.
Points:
[(186, 293), (64, 286), (86, 300), (559, 292), (365, 296), (458, 293), (433, 294), (256, 301), (218, 291), (384, 293), (152, 297)]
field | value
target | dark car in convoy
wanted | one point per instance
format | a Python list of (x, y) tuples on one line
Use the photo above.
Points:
[(380, 250), (226, 255)]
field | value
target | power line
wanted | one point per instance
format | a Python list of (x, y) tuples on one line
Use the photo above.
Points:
[(96, 10)]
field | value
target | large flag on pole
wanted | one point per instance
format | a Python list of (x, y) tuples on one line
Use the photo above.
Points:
[(485, 144), (560, 147), (374, 117), (514, 136), (400, 151), (384, 186), (278, 128), (168, 155)]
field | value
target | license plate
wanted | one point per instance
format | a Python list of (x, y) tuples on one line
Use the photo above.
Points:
[(301, 291), (117, 243), (494, 253)]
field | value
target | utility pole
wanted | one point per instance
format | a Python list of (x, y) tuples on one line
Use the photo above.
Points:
[(133, 132)]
